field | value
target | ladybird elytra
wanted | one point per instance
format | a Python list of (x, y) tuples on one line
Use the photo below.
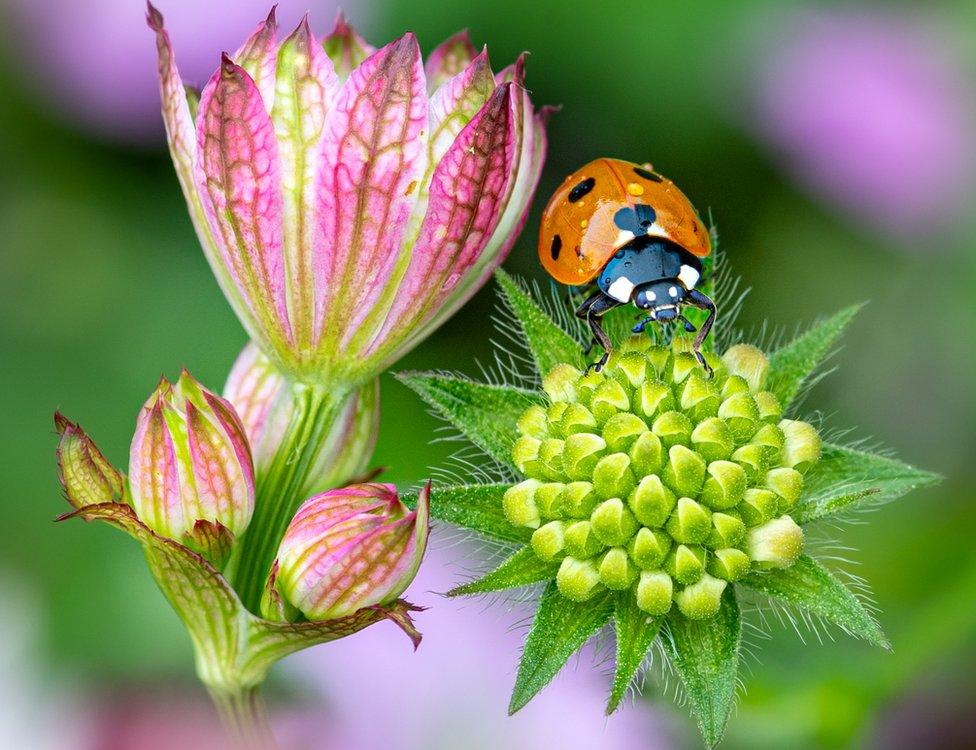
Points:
[(636, 237)]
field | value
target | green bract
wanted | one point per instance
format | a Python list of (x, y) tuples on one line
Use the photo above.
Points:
[(656, 497)]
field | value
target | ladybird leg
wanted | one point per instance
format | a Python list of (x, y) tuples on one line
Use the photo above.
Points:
[(689, 326), (701, 301), (594, 317), (639, 328), (582, 312)]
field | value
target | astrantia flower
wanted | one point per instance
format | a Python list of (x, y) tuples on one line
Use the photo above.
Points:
[(655, 495), (350, 199)]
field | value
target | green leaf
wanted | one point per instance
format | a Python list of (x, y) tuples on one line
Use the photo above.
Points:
[(792, 365), (485, 414), (548, 343), (705, 654), (521, 569), (477, 507), (846, 479), (810, 586), (636, 631), (560, 629)]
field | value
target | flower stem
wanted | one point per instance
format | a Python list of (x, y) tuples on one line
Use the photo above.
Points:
[(245, 718), (279, 489)]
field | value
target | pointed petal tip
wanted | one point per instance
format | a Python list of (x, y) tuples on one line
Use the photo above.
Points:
[(61, 422), (546, 111), (153, 17), (272, 19)]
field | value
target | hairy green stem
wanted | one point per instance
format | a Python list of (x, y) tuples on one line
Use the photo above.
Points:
[(279, 489), (245, 718)]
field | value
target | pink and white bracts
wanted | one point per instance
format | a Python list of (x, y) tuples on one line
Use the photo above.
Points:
[(350, 199)]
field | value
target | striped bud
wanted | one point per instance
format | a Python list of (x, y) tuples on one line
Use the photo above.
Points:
[(349, 548), (190, 473)]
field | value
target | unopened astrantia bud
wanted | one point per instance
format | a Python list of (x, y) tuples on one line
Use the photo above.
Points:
[(346, 549), (654, 477), (190, 471)]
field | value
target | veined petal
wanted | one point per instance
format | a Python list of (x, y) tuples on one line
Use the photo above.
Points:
[(373, 154), (526, 168), (451, 109), (448, 59), (258, 55), (345, 47), (305, 87), (87, 477), (153, 475), (253, 386), (468, 188), (179, 105), (239, 177), (455, 103), (221, 482)]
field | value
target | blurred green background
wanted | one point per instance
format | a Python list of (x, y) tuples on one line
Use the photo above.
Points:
[(827, 189)]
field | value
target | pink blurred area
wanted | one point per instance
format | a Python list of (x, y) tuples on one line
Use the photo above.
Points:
[(453, 693), (106, 82), (870, 110)]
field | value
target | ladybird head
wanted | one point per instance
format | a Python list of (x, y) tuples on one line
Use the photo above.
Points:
[(661, 297)]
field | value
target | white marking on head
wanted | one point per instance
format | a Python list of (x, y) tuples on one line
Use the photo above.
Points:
[(688, 276), (673, 291), (621, 289)]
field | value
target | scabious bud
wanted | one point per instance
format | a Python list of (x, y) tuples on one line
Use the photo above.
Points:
[(190, 472), (775, 544), (339, 258), (653, 478), (346, 549)]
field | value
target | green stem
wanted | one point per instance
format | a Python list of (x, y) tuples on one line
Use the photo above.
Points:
[(245, 718), (279, 489)]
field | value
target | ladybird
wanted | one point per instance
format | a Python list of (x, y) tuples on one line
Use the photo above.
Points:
[(632, 233)]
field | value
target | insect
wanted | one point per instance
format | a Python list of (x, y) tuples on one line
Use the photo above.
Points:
[(630, 231)]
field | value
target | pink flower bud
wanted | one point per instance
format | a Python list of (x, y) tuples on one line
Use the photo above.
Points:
[(350, 199), (190, 472), (264, 400), (347, 549)]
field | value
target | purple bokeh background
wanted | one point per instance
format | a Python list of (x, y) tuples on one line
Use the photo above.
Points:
[(871, 112), (111, 89), (454, 691)]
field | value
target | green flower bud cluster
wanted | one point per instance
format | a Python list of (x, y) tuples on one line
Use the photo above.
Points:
[(651, 476)]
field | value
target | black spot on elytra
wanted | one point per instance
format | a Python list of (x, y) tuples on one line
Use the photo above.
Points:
[(581, 189), (557, 245), (635, 220), (648, 175)]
